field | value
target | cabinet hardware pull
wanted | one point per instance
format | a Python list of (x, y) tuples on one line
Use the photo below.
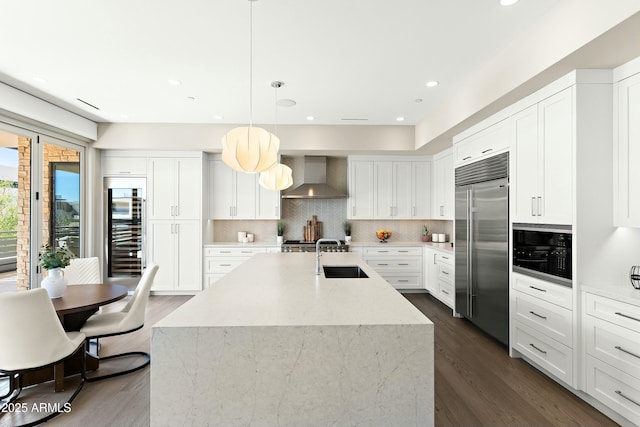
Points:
[(225, 265), (382, 252), (627, 316), (434, 258), (627, 351), (403, 263), (445, 292), (537, 315), (382, 264), (403, 251), (541, 351), (444, 257), (403, 281), (619, 393), (537, 289), (466, 158), (539, 206), (353, 211), (533, 210), (177, 210), (225, 252), (487, 150), (445, 273), (442, 210), (177, 228)]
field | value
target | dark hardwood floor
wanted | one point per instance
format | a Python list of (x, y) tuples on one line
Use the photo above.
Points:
[(478, 384)]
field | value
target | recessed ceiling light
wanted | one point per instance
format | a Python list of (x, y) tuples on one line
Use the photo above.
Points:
[(218, 117), (285, 102), (432, 83), (173, 82), (399, 119), (508, 2), (311, 118), (39, 79)]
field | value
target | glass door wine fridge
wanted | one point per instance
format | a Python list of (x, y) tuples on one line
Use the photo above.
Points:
[(125, 230)]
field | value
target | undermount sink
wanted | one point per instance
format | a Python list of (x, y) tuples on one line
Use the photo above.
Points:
[(344, 272)]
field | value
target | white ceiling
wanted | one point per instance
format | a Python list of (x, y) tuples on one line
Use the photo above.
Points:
[(339, 59)]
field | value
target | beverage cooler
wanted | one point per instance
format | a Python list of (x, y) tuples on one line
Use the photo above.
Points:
[(124, 230)]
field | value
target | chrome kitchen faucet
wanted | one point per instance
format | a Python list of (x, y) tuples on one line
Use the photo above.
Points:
[(318, 251)]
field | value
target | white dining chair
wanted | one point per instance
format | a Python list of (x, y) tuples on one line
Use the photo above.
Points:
[(32, 337), (129, 319), (83, 271)]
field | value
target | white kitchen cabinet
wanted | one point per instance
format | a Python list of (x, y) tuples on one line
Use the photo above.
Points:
[(542, 326), (627, 155), (175, 188), (612, 342), (487, 142), (444, 187), (124, 166), (430, 271), (175, 247), (389, 189), (219, 260), (361, 189), (542, 161), (238, 195), (399, 265)]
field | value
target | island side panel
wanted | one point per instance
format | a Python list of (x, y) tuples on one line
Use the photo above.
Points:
[(374, 375)]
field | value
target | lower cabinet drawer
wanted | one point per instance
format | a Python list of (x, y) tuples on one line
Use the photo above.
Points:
[(445, 272), (395, 264), (617, 390), (549, 354), (404, 282), (615, 345), (446, 292), (617, 312), (550, 319), (223, 265)]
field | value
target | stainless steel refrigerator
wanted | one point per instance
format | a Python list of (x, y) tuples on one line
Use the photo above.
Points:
[(482, 244)]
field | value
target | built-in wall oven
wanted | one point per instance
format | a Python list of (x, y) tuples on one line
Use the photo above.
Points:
[(543, 251)]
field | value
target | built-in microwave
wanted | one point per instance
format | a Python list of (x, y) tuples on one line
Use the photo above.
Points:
[(543, 251)]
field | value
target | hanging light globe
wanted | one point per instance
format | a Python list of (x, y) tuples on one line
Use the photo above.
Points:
[(250, 149), (277, 178)]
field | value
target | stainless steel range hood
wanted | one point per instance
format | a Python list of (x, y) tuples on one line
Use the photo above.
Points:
[(315, 182)]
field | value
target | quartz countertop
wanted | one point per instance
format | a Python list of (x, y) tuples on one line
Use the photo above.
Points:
[(282, 289), (620, 293)]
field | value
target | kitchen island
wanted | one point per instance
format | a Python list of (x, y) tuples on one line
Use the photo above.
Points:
[(274, 344)]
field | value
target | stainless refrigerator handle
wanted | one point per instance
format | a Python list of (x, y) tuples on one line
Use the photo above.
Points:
[(469, 253)]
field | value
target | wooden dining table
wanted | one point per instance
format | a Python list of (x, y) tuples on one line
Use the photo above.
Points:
[(77, 304)]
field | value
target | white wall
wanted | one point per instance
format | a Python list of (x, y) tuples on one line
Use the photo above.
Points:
[(307, 139)]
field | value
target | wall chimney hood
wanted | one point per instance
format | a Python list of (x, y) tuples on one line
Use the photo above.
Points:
[(314, 184)]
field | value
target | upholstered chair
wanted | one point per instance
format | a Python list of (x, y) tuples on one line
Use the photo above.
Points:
[(31, 338), (129, 319), (83, 271)]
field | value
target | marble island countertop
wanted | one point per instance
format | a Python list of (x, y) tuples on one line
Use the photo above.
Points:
[(272, 344), (445, 247), (283, 289)]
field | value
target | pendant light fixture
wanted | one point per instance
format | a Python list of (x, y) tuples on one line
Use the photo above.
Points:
[(250, 149), (278, 177)]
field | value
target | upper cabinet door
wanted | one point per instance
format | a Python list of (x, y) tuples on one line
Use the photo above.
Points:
[(555, 115), (627, 161), (221, 200), (383, 190), (402, 190), (267, 203), (444, 187), (421, 189), (524, 165), (245, 195), (162, 183), (360, 189), (188, 199)]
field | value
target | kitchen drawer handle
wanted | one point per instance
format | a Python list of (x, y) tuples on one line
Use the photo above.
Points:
[(627, 316), (537, 289), (246, 252), (403, 251), (619, 393), (382, 252), (403, 281), (466, 158), (225, 265), (537, 315), (403, 264), (225, 252), (382, 264), (541, 351), (627, 351), (444, 257), (445, 292), (487, 150)]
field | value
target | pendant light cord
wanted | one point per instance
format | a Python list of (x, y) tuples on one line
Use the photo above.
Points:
[(251, 62)]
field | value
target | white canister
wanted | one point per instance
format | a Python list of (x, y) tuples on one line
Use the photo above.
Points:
[(443, 238), (241, 235), (250, 237)]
